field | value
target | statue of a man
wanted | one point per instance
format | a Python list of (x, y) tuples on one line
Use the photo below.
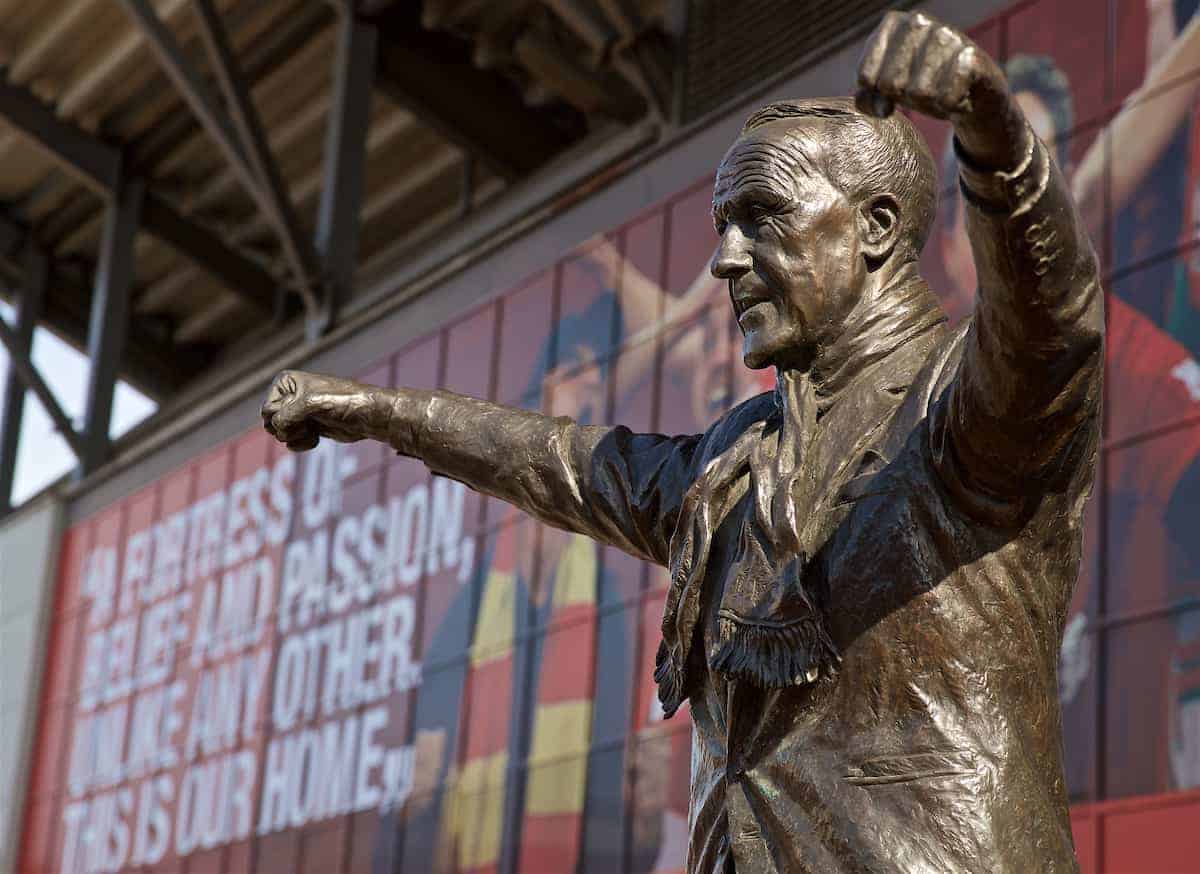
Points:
[(870, 566)]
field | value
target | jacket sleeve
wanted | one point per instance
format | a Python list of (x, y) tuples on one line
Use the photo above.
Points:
[(620, 488), (1024, 404)]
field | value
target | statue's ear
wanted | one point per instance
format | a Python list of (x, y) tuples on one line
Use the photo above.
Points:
[(879, 227)]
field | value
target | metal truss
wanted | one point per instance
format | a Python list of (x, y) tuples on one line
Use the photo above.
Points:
[(318, 269), (500, 88)]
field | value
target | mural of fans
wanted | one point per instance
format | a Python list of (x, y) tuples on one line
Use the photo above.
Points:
[(1153, 502), (521, 694), (695, 385), (1153, 178)]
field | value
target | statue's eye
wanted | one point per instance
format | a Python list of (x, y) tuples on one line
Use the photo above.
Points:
[(758, 213)]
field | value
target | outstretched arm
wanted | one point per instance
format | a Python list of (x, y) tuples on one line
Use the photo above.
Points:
[(608, 483), (1029, 380)]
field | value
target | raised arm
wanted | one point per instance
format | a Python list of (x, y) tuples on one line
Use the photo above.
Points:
[(608, 483), (1033, 356)]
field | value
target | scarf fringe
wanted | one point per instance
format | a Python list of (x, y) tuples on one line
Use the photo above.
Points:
[(669, 678), (774, 656)]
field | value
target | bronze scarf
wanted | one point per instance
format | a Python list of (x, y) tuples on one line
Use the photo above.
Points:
[(771, 632)]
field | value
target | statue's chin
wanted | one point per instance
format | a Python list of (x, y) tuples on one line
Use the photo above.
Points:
[(761, 349), (756, 360)]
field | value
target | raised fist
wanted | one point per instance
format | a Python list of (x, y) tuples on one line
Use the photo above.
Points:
[(922, 64), (303, 407)]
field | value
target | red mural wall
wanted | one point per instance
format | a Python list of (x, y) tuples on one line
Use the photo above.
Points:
[(336, 663)]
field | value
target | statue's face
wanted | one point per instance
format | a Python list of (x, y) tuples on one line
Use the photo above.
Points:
[(789, 245)]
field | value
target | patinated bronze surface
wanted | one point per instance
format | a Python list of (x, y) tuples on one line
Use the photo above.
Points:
[(871, 566)]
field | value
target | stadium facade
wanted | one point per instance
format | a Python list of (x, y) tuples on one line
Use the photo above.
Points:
[(222, 657)]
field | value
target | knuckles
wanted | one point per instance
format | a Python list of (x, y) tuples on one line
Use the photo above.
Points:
[(918, 62)]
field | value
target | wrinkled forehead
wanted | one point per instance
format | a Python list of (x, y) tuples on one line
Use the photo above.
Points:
[(778, 156)]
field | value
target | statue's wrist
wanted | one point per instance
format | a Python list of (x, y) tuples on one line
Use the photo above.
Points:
[(397, 416), (995, 137), (1000, 184)]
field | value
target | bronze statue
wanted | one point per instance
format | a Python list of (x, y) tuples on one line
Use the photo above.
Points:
[(870, 566)]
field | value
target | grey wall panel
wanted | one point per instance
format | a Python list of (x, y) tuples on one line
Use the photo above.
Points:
[(29, 542)]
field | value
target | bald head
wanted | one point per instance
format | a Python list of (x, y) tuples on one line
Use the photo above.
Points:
[(863, 156)]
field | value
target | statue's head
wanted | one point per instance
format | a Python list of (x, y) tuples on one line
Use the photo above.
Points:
[(813, 200)]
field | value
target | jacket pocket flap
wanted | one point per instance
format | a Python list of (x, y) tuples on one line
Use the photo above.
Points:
[(911, 766)]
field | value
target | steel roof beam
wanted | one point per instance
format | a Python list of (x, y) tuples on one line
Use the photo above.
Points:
[(195, 92), (432, 75), (12, 404), (94, 163), (152, 365), (242, 275), (109, 324), (345, 158), (97, 165), (298, 248), (18, 359)]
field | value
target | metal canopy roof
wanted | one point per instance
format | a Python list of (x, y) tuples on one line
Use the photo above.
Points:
[(219, 168), (223, 110)]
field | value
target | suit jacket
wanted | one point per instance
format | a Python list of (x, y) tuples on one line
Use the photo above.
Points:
[(936, 743)]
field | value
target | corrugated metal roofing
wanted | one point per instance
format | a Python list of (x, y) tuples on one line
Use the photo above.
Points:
[(557, 68)]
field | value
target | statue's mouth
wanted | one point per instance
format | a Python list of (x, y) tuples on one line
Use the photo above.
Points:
[(745, 299)]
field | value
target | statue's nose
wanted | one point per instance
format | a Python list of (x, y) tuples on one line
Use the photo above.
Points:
[(732, 258)]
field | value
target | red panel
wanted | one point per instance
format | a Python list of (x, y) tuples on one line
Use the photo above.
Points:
[(137, 553), (580, 393), (1151, 557), (643, 264), (1153, 380), (1086, 833), (525, 341), (1145, 32), (62, 652), (1072, 34), (588, 299), (693, 238), (365, 835), (45, 776), (1163, 839), (278, 853), (238, 857), (633, 386), (417, 366), (323, 848), (108, 531), (208, 862), (1150, 702), (702, 373), (250, 452), (37, 836), (469, 346), (76, 544)]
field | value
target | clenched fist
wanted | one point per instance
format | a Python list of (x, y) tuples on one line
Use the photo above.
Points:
[(302, 407), (919, 63)]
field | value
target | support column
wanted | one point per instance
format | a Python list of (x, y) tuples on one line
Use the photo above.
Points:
[(338, 217), (109, 323), (12, 404)]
